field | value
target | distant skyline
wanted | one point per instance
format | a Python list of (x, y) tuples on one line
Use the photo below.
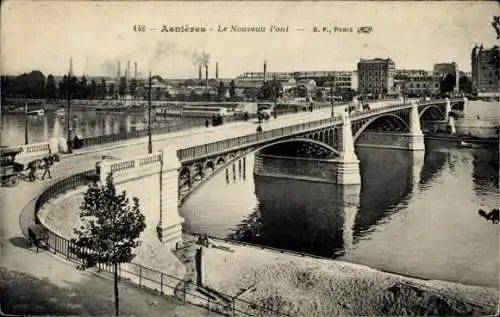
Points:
[(44, 35)]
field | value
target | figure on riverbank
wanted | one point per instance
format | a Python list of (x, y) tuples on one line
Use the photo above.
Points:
[(493, 215), (206, 123)]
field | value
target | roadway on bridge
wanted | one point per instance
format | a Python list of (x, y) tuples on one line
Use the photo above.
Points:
[(13, 200)]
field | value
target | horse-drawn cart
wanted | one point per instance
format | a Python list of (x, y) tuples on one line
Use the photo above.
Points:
[(12, 170)]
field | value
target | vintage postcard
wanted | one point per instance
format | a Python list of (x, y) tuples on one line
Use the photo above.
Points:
[(249, 158)]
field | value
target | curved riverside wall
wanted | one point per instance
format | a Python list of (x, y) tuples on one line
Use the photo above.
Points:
[(142, 276), (309, 169)]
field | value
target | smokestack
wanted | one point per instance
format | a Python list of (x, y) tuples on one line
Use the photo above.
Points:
[(206, 75), (265, 70), (135, 70), (199, 72), (217, 70), (70, 72), (127, 74), (118, 71)]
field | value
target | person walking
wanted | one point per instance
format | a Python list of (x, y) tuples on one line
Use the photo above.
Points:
[(32, 168), (206, 123), (47, 167), (259, 129)]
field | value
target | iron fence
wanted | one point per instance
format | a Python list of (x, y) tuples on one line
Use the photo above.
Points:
[(140, 275), (249, 140)]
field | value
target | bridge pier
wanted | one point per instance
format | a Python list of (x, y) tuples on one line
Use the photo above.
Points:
[(153, 178), (416, 137), (447, 109), (347, 163), (170, 224), (466, 104)]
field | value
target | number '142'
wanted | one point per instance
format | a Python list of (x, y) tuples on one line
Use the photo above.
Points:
[(139, 28)]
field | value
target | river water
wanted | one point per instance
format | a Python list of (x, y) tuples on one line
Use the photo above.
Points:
[(86, 123), (415, 213)]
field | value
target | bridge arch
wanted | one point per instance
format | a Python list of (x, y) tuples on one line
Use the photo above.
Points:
[(400, 120), (318, 144), (429, 107), (220, 161)]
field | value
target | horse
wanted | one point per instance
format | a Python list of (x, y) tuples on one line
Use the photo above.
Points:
[(492, 215)]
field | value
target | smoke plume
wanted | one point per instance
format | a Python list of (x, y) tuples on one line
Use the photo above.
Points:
[(164, 49)]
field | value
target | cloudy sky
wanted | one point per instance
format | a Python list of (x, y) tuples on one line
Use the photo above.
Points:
[(43, 35)]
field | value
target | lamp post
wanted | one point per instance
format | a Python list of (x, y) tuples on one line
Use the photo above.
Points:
[(331, 95), (68, 84), (26, 123), (150, 141), (404, 92)]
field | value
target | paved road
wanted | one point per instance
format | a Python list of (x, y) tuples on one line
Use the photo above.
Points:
[(14, 254)]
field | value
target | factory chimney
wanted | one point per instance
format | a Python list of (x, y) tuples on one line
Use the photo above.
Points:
[(127, 74), (199, 72), (265, 70), (118, 72), (217, 70), (206, 76), (70, 72), (135, 70)]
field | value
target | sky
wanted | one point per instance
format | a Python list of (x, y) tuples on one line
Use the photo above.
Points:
[(42, 35)]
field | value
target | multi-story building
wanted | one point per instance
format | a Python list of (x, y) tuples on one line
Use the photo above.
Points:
[(376, 76), (417, 82), (485, 70), (443, 69), (341, 79), (405, 73)]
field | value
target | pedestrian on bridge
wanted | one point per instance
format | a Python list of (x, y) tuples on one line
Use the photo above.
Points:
[(259, 129), (47, 164), (32, 168)]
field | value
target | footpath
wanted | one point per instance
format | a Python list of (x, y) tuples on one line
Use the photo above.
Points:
[(41, 283)]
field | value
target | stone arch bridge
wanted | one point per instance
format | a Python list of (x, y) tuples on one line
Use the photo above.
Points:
[(329, 141), (396, 126)]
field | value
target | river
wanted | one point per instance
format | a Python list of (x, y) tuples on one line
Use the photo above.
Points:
[(86, 123), (415, 213)]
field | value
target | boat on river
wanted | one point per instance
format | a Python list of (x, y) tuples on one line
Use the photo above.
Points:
[(36, 113)]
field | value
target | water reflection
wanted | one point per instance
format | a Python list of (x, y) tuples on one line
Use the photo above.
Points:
[(308, 217), (485, 170), (84, 123), (381, 196)]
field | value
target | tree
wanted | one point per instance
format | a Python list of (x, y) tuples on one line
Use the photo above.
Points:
[(50, 87), (232, 89), (221, 90), (447, 84), (93, 90), (112, 90), (110, 230), (103, 90), (465, 84), (319, 95), (83, 88), (122, 87), (133, 87)]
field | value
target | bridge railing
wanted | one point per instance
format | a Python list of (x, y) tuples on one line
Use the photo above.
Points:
[(249, 139)]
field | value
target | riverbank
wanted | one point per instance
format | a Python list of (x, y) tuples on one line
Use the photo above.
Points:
[(305, 286), (445, 136), (301, 285)]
